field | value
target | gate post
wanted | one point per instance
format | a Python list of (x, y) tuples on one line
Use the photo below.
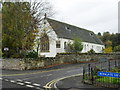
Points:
[(83, 74), (92, 76)]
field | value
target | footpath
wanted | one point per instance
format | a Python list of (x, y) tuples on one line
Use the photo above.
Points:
[(75, 83)]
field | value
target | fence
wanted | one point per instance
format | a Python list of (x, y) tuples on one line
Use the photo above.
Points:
[(90, 73)]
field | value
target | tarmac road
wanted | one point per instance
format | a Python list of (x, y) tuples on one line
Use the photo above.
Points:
[(43, 79), (38, 79)]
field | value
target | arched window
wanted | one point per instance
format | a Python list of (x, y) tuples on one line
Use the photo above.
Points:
[(44, 43)]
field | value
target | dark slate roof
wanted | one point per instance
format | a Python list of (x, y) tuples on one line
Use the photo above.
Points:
[(64, 30)]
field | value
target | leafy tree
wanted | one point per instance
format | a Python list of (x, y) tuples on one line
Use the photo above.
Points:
[(115, 38), (0, 34), (76, 46), (108, 50), (106, 36), (20, 25), (117, 48), (108, 43), (110, 40), (99, 34)]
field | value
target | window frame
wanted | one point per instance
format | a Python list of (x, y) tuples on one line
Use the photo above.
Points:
[(58, 44), (44, 46)]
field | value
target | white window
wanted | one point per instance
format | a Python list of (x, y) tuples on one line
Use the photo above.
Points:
[(57, 44), (65, 45)]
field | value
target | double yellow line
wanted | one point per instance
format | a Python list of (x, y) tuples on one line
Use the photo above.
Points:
[(48, 86)]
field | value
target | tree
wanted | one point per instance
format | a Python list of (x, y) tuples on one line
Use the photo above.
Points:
[(21, 21), (115, 38), (76, 46), (117, 48), (99, 34), (108, 50), (108, 43), (110, 40), (0, 33), (106, 36)]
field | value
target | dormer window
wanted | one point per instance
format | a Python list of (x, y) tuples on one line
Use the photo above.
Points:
[(67, 28), (91, 34)]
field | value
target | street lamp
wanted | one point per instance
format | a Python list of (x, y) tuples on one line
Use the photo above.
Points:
[(6, 49)]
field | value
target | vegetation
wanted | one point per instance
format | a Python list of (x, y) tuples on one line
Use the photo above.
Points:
[(109, 80), (111, 41), (76, 46), (91, 51), (108, 50), (20, 26), (32, 54), (117, 48)]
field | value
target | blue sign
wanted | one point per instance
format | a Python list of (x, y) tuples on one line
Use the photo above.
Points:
[(109, 74)]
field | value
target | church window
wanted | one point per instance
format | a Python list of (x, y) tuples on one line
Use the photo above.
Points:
[(44, 43)]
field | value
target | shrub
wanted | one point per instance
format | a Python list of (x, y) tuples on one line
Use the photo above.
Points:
[(32, 54), (76, 46), (108, 50), (117, 48), (91, 51)]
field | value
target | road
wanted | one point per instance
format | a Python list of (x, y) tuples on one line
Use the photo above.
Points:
[(38, 79)]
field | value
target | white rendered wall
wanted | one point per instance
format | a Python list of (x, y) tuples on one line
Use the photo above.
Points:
[(86, 46), (52, 41), (62, 47)]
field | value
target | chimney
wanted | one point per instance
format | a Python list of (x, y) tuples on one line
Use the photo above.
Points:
[(45, 15)]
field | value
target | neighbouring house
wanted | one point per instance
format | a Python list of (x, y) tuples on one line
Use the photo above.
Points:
[(55, 35)]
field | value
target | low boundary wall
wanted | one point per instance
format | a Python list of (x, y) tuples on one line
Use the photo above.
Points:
[(42, 62)]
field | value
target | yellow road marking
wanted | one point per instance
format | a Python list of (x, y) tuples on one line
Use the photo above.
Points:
[(49, 84)]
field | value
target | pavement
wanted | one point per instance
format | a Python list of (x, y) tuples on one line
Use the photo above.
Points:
[(75, 83)]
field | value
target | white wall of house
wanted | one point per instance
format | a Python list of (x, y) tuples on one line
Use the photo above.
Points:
[(86, 46), (62, 47), (52, 43)]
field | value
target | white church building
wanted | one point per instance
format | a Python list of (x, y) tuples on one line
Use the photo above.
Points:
[(55, 35)]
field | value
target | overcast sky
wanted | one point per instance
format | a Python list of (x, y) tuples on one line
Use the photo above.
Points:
[(94, 15)]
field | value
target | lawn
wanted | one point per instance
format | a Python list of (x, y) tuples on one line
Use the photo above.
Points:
[(112, 80), (109, 80)]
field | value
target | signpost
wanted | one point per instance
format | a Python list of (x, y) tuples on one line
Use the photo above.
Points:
[(109, 74)]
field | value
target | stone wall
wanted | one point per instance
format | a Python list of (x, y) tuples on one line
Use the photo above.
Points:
[(28, 63)]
